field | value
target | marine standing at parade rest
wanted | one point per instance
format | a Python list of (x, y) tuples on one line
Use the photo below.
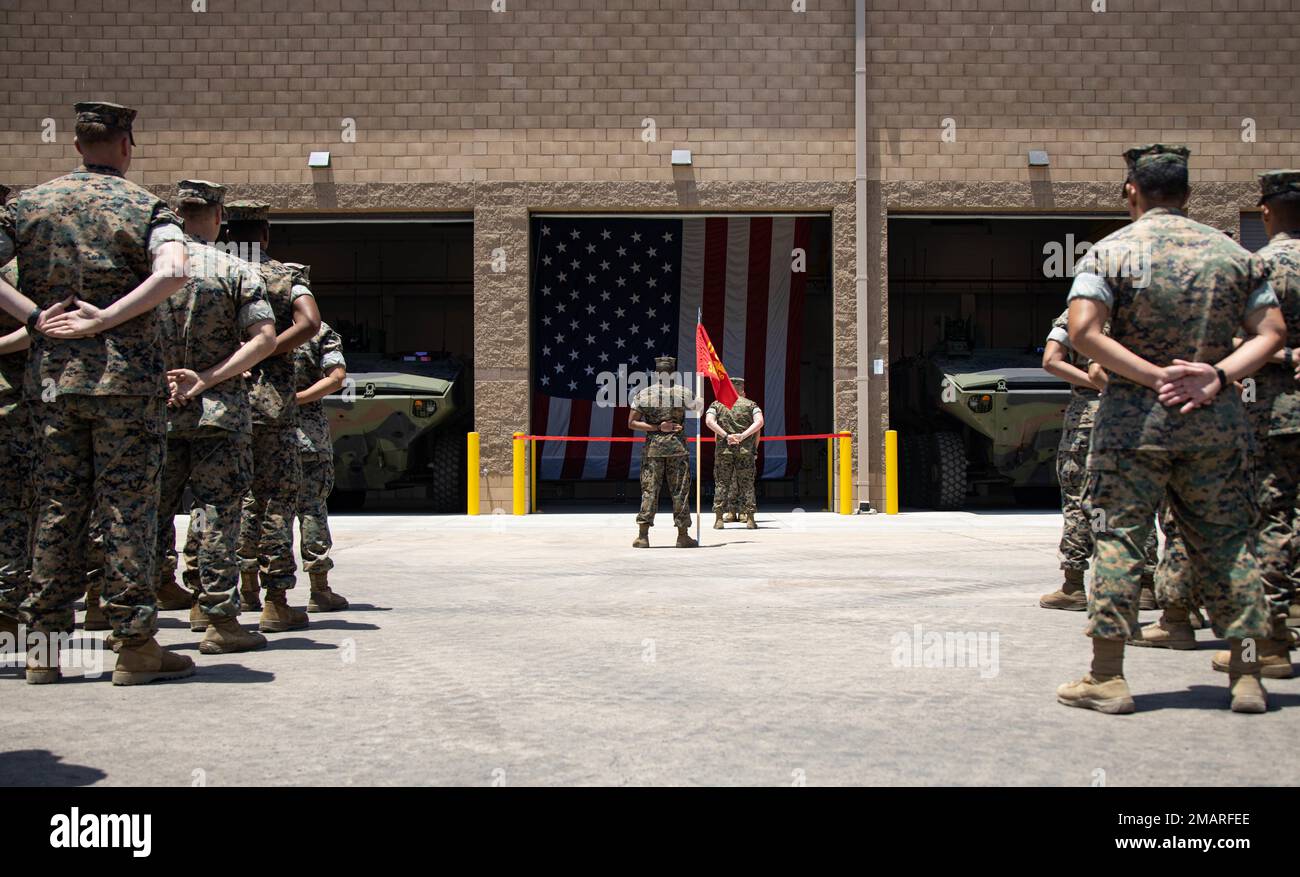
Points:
[(109, 252), (659, 410), (214, 329), (735, 456), (1170, 427), (266, 534), (1061, 359), (319, 370), (16, 442)]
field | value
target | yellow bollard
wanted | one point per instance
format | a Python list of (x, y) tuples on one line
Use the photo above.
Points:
[(520, 497), (471, 476), (891, 472), (532, 470), (830, 475), (846, 474)]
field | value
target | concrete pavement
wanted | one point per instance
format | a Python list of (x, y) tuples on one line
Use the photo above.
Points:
[(545, 650)]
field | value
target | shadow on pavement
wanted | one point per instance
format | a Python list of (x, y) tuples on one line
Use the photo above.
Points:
[(1206, 697), (340, 624), (40, 767)]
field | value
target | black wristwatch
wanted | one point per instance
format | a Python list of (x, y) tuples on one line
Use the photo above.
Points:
[(32, 319), (1223, 379)]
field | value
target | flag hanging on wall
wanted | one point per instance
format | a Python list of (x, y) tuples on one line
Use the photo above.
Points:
[(614, 291)]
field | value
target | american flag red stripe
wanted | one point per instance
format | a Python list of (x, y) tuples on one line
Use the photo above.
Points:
[(737, 272)]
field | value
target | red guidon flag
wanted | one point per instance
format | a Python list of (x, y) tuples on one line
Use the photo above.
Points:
[(706, 360)]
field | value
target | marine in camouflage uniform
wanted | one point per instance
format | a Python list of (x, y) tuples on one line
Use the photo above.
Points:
[(266, 534), (659, 410), (97, 389), (16, 448), (320, 359), (1071, 460), (1176, 292), (209, 443), (734, 465)]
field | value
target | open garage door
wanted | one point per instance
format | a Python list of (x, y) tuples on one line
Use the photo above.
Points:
[(399, 290), (971, 300)]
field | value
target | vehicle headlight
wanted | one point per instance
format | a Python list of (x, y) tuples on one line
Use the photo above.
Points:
[(423, 407), (981, 404)]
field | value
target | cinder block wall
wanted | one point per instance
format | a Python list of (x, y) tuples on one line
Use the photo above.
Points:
[(447, 105)]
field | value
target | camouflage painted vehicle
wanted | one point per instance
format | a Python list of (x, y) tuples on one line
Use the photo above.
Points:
[(399, 423), (975, 423)]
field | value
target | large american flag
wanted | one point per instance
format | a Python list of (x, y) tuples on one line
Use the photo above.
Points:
[(610, 292)]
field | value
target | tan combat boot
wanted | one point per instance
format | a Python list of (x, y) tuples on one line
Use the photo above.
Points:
[(684, 539), (249, 588), (1070, 595), (43, 659), (144, 662), (1167, 633), (322, 599), (717, 521), (1273, 655), (1147, 600), (278, 616), (1104, 688), (729, 518), (750, 523), (172, 596), (643, 537), (198, 620), (225, 635), (95, 618), (1244, 688)]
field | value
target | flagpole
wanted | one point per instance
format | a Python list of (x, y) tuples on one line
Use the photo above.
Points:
[(699, 421)]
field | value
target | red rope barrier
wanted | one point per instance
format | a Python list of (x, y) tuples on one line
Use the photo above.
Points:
[(611, 438)]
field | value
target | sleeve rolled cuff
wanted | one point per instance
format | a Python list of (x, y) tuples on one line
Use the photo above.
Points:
[(163, 234), (1262, 297), (298, 291), (1091, 286), (1061, 337), (332, 360), (255, 312)]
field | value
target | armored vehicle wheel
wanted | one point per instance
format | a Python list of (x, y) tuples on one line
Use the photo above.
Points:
[(947, 481), (447, 489)]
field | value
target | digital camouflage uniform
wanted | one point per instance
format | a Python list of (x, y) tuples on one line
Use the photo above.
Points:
[(266, 534), (664, 457), (312, 361), (1200, 286), (733, 467), (209, 444), (1071, 464), (98, 403), (1275, 413), (16, 449)]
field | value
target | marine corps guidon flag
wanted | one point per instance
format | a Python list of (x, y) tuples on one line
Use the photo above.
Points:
[(707, 363)]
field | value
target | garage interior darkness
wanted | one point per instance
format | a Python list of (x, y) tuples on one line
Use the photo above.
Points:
[(974, 293), (399, 290)]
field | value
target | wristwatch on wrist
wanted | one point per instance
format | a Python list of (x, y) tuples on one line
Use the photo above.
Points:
[(1286, 357), (32, 320), (1223, 378)]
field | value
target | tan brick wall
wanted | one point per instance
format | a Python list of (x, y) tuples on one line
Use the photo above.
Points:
[(441, 91)]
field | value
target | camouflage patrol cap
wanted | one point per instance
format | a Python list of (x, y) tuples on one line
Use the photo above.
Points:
[(665, 363), (109, 115), (1153, 153), (1278, 183), (248, 211), (199, 192), (737, 380), (304, 270)]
